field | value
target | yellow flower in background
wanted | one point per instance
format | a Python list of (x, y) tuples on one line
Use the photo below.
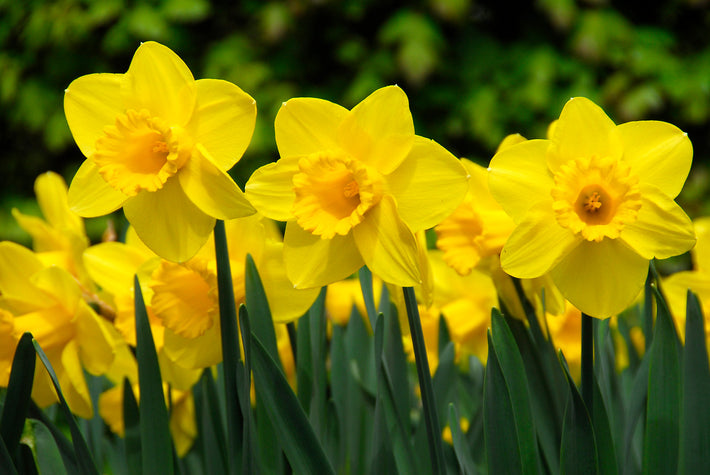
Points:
[(343, 295), (60, 238), (565, 332), (158, 143), (47, 302), (353, 186), (593, 204)]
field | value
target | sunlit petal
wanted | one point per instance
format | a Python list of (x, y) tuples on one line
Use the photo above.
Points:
[(90, 195), (112, 265), (306, 125), (96, 346), (270, 189)]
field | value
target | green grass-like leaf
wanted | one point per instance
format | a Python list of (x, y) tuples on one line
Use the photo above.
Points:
[(461, 448), (156, 444), (6, 460), (132, 429), (19, 394), (49, 458)]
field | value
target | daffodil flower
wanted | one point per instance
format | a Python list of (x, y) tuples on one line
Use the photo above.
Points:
[(158, 143), (593, 204), (353, 186), (47, 302)]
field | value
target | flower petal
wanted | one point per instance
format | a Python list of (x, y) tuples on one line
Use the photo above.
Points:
[(428, 185), (701, 251), (315, 262), (17, 265), (96, 346), (658, 152), (518, 177), (211, 189), (306, 125), (158, 80), (71, 379), (91, 103), (388, 246), (112, 265), (601, 278), (536, 244), (51, 192), (223, 120), (662, 228), (379, 131), (583, 130), (168, 223), (285, 302), (270, 188), (193, 353), (90, 195)]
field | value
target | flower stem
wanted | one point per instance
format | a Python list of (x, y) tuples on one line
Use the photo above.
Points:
[(588, 361), (436, 450)]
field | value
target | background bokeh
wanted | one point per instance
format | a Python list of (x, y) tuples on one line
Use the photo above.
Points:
[(474, 70)]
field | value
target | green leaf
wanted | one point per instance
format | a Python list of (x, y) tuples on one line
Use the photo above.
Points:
[(49, 459), (83, 456), (295, 434), (578, 451), (249, 464), (383, 460), (695, 417), (461, 449), (19, 394), (63, 443), (515, 392), (660, 455), (304, 365), (211, 429), (317, 322), (230, 347), (6, 460), (368, 295), (156, 444), (132, 430)]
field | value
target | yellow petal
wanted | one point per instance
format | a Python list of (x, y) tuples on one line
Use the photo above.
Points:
[(536, 244), (17, 265), (223, 121), (601, 278), (658, 153), (177, 376), (701, 251), (194, 353), (306, 125), (91, 103), (662, 228), (183, 426), (285, 302), (44, 237), (428, 185), (270, 189), (96, 347), (211, 189), (51, 192), (675, 289), (245, 236), (509, 141), (388, 246), (90, 195), (158, 80), (315, 262), (168, 223), (60, 285), (518, 177), (379, 131), (71, 379), (583, 130), (112, 265)]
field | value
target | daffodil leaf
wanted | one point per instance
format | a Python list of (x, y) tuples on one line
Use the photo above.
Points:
[(132, 432), (578, 451), (634, 410), (6, 460), (49, 458), (445, 380), (210, 426), (230, 347), (83, 456), (63, 443), (514, 390), (19, 394), (359, 345), (695, 418), (660, 454), (249, 464), (604, 397), (383, 460), (461, 448), (299, 442), (156, 444), (365, 278), (304, 366), (317, 413), (342, 394)]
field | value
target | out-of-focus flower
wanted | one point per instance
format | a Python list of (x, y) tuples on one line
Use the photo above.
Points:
[(565, 332), (446, 433), (344, 294), (158, 143), (593, 204), (353, 187), (47, 302)]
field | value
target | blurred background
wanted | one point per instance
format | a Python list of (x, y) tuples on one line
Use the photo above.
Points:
[(474, 70)]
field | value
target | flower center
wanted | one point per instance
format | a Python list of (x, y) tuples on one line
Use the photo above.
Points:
[(140, 152), (333, 193), (596, 197)]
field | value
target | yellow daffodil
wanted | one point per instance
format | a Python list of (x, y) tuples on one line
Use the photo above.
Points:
[(344, 294), (353, 186), (158, 143), (593, 204), (46, 301)]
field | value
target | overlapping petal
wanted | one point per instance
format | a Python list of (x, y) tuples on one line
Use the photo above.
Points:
[(662, 228), (223, 120), (90, 195), (315, 262), (270, 188), (379, 131), (428, 185), (175, 228), (306, 125), (601, 278), (112, 265)]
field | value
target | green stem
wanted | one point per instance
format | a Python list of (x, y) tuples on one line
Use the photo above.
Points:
[(230, 346), (431, 418), (588, 361)]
